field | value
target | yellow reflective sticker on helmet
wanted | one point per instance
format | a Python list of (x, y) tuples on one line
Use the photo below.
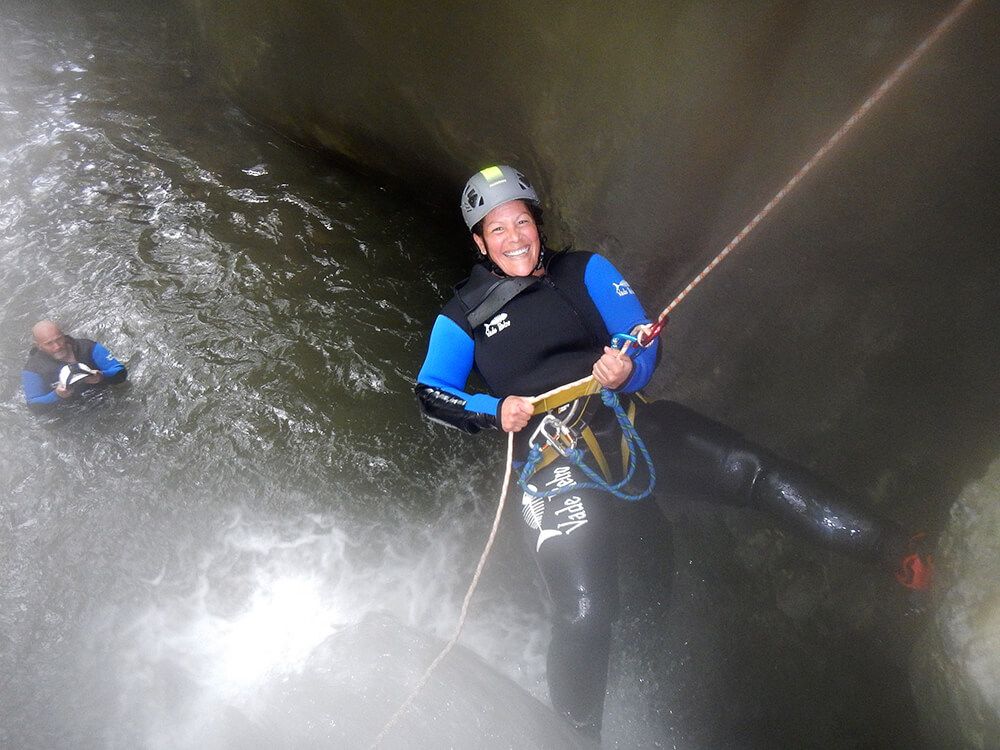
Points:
[(493, 175)]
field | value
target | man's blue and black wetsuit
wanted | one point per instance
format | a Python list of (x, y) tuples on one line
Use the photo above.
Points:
[(550, 332), (41, 371)]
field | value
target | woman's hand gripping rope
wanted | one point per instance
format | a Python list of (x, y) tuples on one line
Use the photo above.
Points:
[(515, 413), (563, 440), (612, 370)]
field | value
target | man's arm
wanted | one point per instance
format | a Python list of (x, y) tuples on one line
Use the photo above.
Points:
[(36, 391), (111, 369)]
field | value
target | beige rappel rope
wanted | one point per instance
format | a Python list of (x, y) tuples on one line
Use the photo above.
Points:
[(851, 121), (587, 384)]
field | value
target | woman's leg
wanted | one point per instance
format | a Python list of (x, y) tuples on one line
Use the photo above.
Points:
[(697, 456), (571, 535)]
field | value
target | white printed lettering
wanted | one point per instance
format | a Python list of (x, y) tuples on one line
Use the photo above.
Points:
[(622, 288), (497, 324)]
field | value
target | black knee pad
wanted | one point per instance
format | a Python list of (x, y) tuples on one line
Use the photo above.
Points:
[(739, 477), (585, 617)]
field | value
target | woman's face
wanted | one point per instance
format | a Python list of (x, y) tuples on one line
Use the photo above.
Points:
[(510, 238)]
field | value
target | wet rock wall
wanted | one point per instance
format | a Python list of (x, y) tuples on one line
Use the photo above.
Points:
[(958, 661)]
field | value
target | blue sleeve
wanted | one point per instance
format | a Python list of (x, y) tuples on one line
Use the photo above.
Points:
[(449, 363), (37, 391), (108, 365), (621, 311)]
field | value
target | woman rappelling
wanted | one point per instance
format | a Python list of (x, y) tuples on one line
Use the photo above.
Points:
[(528, 320)]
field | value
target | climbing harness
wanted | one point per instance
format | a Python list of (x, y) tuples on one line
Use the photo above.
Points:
[(561, 439), (555, 435), (646, 334)]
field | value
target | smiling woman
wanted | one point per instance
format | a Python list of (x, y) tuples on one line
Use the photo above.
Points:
[(527, 321), (501, 210), (509, 237), (271, 308)]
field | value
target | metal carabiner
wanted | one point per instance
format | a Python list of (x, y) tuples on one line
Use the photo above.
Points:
[(556, 434), (620, 340)]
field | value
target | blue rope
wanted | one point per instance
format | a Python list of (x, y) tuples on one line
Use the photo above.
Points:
[(634, 444)]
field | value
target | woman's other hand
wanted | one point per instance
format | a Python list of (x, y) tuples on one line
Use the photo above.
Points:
[(515, 412), (613, 369)]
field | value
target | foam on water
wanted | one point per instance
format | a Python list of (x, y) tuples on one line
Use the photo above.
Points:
[(267, 593)]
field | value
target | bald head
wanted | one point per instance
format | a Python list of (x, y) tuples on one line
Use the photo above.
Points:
[(50, 339), (44, 330)]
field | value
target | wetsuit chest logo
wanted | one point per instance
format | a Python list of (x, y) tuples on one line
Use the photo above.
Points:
[(496, 325), (622, 288)]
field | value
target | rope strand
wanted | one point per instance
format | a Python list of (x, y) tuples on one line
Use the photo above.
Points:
[(465, 602), (832, 141)]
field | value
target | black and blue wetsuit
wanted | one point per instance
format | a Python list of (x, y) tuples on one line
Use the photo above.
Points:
[(41, 372), (549, 333)]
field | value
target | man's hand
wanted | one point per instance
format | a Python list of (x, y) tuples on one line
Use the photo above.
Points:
[(95, 378), (515, 411), (613, 369), (63, 392)]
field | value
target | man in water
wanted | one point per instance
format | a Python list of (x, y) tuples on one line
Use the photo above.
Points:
[(53, 351)]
